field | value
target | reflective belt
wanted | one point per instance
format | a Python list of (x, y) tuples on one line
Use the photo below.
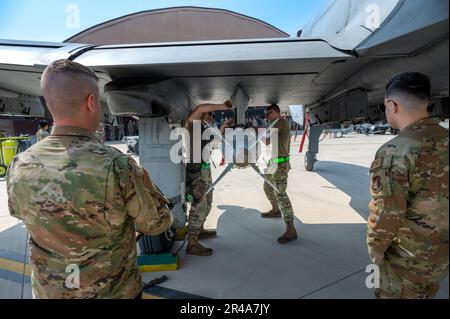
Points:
[(189, 198), (279, 160), (206, 166)]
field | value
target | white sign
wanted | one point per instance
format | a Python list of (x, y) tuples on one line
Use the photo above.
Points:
[(297, 113)]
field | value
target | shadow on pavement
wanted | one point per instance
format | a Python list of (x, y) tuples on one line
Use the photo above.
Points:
[(323, 256), (357, 187), (327, 260)]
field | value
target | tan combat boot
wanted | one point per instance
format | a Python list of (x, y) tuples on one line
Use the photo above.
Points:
[(289, 235), (273, 213), (195, 248), (206, 233)]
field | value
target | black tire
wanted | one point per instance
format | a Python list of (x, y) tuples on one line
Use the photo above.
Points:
[(3, 170), (157, 244), (309, 161)]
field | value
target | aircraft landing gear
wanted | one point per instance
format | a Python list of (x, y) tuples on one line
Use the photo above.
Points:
[(313, 146), (310, 159), (157, 244)]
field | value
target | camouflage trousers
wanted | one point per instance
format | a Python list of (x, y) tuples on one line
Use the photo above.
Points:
[(198, 181), (393, 286), (280, 200)]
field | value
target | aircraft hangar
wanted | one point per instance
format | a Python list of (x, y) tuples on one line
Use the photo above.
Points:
[(176, 25)]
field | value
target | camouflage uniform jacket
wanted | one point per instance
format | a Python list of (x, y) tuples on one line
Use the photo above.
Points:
[(408, 222), (81, 201)]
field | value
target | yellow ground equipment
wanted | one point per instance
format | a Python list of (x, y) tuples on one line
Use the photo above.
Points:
[(9, 147)]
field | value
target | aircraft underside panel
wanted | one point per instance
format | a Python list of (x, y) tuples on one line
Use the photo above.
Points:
[(279, 71), (23, 105), (270, 71)]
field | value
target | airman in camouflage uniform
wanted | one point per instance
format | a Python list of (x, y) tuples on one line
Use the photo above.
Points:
[(100, 133), (278, 176), (408, 230), (280, 201), (198, 179), (43, 131), (82, 201)]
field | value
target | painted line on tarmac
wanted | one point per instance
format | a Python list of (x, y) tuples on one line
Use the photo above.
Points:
[(11, 268), (12, 255), (14, 266), (13, 276)]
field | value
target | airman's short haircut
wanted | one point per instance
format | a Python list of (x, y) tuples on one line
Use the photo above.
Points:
[(273, 107), (43, 124), (413, 84), (65, 85)]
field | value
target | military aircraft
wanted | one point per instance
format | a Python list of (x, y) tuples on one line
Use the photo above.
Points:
[(337, 68)]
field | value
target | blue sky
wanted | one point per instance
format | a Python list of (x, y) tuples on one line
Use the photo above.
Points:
[(45, 20)]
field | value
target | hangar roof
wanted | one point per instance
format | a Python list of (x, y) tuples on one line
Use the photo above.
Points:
[(177, 24)]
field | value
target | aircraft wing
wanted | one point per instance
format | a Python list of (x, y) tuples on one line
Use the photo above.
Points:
[(279, 71)]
